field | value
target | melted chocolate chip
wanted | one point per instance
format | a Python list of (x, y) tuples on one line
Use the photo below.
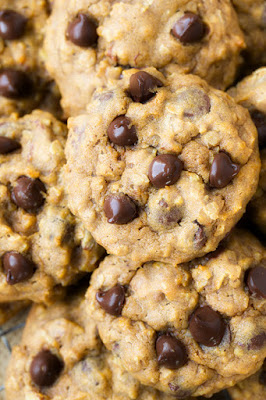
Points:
[(142, 86), (112, 300), (122, 132), (165, 170), (207, 326), (257, 342), (119, 209), (82, 31), (28, 193), (257, 281), (223, 170), (8, 145), (12, 25), (171, 353), (200, 237), (189, 29), (45, 368), (15, 84), (17, 267), (259, 120)]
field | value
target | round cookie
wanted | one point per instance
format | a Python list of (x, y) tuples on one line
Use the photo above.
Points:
[(42, 245), (188, 329), (252, 19), (253, 388), (24, 80), (251, 93), (88, 43), (164, 178)]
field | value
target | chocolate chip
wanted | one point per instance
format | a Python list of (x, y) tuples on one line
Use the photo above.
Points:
[(28, 193), (15, 84), (122, 132), (257, 342), (262, 378), (12, 25), (45, 368), (17, 267), (223, 170), (165, 170), (207, 326), (142, 86), (171, 353), (259, 120), (119, 209), (112, 300), (8, 145), (82, 31), (200, 237), (257, 281), (178, 393), (170, 217), (189, 29)]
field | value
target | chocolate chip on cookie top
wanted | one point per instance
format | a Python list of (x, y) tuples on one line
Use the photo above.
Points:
[(17, 267), (45, 368), (165, 170), (8, 145), (171, 353), (189, 29), (223, 170), (82, 31), (15, 84), (12, 24), (257, 281), (112, 300), (28, 193), (142, 86), (119, 209), (122, 132)]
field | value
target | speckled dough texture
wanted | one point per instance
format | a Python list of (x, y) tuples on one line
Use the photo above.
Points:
[(58, 244), (253, 388), (90, 372), (251, 93), (252, 19), (160, 298), (138, 33), (186, 118)]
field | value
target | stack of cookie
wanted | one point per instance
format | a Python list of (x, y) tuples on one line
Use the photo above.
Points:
[(121, 224)]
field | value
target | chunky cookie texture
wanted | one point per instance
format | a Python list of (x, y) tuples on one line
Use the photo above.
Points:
[(161, 168), (61, 357), (251, 388), (251, 93), (88, 43), (252, 19), (24, 81), (188, 329), (42, 245)]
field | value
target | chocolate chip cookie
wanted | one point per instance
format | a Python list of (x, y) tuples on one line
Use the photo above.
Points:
[(253, 388), (88, 43), (188, 329), (23, 77), (251, 93), (161, 168), (42, 245), (252, 19)]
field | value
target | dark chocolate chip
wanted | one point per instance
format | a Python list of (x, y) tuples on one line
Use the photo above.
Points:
[(257, 281), (257, 342), (82, 31), (207, 326), (171, 353), (165, 170), (223, 170), (12, 25), (170, 217), (112, 300), (122, 132), (189, 29), (259, 120), (200, 237), (17, 267), (8, 145), (262, 378), (28, 193), (15, 84), (142, 86), (45, 368), (119, 209)]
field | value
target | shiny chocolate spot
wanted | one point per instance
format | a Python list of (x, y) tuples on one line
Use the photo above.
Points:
[(122, 132), (207, 326), (12, 25), (189, 29), (257, 281), (143, 86), (45, 368), (17, 267), (28, 193), (119, 209), (223, 170), (112, 300), (171, 352), (8, 145), (259, 120), (165, 170), (82, 31), (15, 84)]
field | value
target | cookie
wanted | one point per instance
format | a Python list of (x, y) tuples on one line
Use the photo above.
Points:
[(253, 388), (24, 80), (88, 43), (252, 19), (251, 93), (188, 329), (161, 168), (42, 245)]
